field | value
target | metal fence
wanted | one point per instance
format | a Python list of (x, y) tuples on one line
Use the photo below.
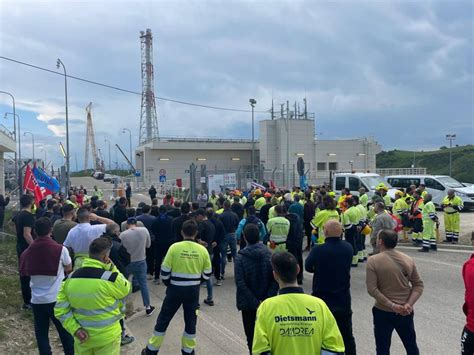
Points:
[(401, 171)]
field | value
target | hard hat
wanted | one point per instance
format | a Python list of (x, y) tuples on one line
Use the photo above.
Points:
[(267, 194), (399, 193), (257, 192), (237, 192), (366, 230), (332, 194), (381, 186)]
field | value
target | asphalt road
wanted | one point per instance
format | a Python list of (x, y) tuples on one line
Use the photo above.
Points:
[(438, 315)]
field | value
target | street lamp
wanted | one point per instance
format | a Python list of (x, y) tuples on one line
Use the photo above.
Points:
[(59, 64), (130, 136), (44, 161), (253, 102), (107, 141), (33, 142), (450, 138), (17, 161)]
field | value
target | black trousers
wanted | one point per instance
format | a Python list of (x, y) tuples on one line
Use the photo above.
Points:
[(42, 314), (150, 259), (351, 238), (248, 319), (467, 342), (24, 280), (160, 252), (298, 254), (308, 229), (177, 296), (216, 262), (385, 323), (2, 217), (344, 323)]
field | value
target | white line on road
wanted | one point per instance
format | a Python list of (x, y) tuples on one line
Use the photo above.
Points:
[(459, 251), (438, 262)]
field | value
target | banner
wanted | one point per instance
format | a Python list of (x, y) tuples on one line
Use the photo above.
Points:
[(45, 181), (220, 182)]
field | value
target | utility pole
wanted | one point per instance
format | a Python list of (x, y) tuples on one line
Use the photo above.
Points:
[(450, 138), (33, 144), (253, 102)]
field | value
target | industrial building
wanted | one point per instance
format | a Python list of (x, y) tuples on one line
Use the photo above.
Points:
[(281, 142)]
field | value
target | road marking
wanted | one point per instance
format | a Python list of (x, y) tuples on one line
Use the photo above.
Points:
[(438, 262), (459, 251)]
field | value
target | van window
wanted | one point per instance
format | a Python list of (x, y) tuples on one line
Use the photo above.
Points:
[(433, 184), (354, 183), (340, 183), (403, 182)]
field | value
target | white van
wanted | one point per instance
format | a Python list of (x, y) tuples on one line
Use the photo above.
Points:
[(354, 181), (436, 185)]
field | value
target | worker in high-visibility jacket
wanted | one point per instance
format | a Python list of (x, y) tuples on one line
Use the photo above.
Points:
[(185, 265), (90, 302), (400, 210), (350, 221), (259, 202), (416, 215), (321, 216), (363, 221), (430, 220), (278, 229), (363, 197), (293, 322), (422, 188), (452, 205), (72, 200), (214, 200)]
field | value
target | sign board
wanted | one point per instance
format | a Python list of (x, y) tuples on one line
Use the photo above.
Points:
[(220, 182), (138, 173), (162, 172), (162, 178)]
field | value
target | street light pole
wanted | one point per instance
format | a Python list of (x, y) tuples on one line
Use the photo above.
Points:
[(59, 63), (130, 136), (17, 161), (450, 138), (110, 167), (253, 102), (33, 142)]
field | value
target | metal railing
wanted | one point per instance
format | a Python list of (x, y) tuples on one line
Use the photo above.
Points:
[(401, 171)]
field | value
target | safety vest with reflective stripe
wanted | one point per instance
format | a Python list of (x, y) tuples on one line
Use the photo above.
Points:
[(456, 204), (351, 217), (185, 264), (91, 298), (399, 207), (259, 203), (278, 228), (320, 219)]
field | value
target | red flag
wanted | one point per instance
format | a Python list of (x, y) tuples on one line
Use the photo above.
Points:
[(29, 183)]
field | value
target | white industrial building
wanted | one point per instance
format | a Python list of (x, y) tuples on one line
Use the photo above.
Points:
[(282, 141)]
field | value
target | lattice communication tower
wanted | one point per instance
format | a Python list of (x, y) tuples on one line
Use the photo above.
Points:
[(148, 117)]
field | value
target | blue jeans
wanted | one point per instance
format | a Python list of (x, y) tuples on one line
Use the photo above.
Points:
[(385, 323), (230, 240), (209, 285), (138, 270)]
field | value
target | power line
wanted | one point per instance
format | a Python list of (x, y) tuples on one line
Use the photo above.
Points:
[(126, 90)]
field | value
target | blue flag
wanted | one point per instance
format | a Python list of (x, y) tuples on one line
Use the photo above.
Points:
[(46, 181)]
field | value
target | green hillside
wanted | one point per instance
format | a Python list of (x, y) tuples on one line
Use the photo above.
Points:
[(436, 162)]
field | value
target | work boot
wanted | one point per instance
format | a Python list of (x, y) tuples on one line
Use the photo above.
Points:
[(434, 247), (147, 351), (360, 257), (355, 261), (424, 250), (455, 242), (126, 339)]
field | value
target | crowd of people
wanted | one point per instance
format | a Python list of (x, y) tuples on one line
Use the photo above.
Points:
[(79, 260)]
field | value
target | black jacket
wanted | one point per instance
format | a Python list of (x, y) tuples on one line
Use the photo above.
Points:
[(230, 220), (219, 228), (152, 193), (253, 276), (162, 231), (331, 264), (119, 255), (238, 209), (176, 226), (294, 242)]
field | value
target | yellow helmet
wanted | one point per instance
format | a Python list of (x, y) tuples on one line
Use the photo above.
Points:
[(257, 192), (399, 193), (332, 194), (381, 186), (367, 230)]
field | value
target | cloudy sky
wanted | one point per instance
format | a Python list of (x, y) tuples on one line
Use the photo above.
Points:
[(400, 71)]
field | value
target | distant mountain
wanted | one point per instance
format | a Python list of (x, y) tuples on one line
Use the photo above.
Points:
[(436, 162)]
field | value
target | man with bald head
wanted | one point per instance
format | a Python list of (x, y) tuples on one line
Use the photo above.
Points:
[(331, 264)]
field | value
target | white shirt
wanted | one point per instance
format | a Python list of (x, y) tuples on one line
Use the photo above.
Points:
[(81, 236), (44, 289)]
